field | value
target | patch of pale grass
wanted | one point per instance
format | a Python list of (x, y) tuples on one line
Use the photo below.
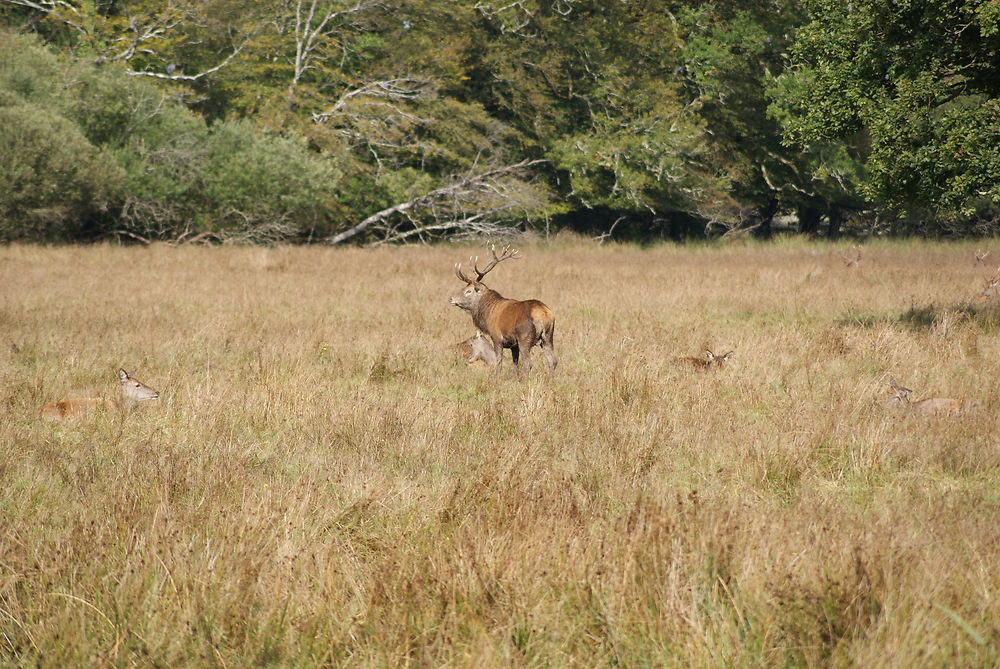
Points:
[(323, 481)]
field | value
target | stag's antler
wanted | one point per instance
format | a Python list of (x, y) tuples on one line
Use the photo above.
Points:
[(505, 254)]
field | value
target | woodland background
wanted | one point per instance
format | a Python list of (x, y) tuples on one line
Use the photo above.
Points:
[(372, 121)]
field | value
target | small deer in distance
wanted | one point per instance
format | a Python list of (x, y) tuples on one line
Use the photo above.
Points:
[(131, 392), (710, 361), (928, 407), (990, 289), (852, 263), (477, 349), (518, 325)]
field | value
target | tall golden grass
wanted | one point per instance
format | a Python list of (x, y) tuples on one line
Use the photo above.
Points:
[(325, 482)]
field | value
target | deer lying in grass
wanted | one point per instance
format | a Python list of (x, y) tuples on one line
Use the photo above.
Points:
[(852, 263), (477, 349), (708, 362), (928, 407), (518, 325), (131, 392), (990, 289)]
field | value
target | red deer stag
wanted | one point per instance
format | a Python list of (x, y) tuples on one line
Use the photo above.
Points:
[(518, 325)]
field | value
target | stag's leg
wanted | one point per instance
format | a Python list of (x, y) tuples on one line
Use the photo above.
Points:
[(498, 350), (522, 369), (549, 349)]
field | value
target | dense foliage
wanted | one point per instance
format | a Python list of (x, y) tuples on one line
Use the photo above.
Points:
[(386, 120)]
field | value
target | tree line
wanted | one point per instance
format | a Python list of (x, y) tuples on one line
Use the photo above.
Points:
[(383, 121)]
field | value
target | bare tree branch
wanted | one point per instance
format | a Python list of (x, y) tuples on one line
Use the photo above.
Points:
[(400, 88), (312, 28), (141, 33), (189, 77), (57, 9), (455, 193)]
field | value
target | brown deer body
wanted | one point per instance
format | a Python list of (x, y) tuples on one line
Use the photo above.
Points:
[(519, 325), (932, 406), (708, 362), (131, 392), (477, 349)]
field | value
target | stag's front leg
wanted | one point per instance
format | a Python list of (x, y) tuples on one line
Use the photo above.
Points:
[(498, 350)]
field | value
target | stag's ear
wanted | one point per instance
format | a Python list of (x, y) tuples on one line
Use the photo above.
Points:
[(122, 375)]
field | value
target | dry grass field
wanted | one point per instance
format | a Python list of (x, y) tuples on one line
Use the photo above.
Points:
[(324, 483)]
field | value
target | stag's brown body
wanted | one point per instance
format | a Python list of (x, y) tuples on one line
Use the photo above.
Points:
[(519, 325)]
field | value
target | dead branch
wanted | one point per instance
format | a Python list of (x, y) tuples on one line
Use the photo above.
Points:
[(460, 190)]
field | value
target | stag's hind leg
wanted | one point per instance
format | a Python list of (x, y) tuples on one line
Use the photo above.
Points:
[(549, 349), (524, 347)]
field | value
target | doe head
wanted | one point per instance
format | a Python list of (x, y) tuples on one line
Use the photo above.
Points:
[(134, 390)]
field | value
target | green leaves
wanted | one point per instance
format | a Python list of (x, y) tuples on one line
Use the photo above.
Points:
[(920, 80)]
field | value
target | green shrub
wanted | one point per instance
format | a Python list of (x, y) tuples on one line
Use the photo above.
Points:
[(270, 183), (54, 184)]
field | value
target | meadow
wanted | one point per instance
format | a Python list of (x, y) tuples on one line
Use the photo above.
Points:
[(323, 482)]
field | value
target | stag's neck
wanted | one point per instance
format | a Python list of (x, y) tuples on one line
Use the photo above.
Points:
[(489, 301)]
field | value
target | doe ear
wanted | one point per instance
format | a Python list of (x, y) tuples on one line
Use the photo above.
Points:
[(122, 375), (728, 355)]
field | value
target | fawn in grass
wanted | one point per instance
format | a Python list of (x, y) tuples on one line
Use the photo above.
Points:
[(928, 407), (477, 349), (710, 361), (131, 392)]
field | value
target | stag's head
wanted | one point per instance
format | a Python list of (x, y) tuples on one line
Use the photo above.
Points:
[(468, 298)]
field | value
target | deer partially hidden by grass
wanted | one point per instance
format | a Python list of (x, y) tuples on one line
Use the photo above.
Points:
[(477, 349), (131, 392), (710, 361), (852, 262), (519, 325), (990, 289), (928, 407)]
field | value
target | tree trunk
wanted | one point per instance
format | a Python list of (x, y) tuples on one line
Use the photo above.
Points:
[(808, 220), (766, 217), (836, 217)]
